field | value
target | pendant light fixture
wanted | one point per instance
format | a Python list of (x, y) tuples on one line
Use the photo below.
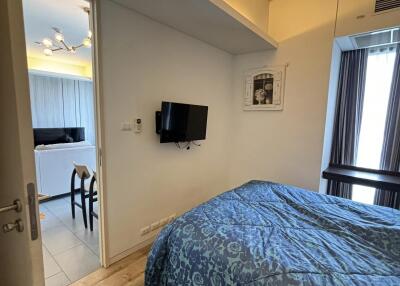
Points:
[(59, 44)]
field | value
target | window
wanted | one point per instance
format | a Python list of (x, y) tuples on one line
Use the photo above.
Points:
[(378, 82)]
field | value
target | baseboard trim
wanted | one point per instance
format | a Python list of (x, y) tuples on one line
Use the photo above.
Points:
[(129, 251), (55, 197)]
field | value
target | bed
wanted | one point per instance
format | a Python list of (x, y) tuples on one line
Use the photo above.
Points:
[(265, 233)]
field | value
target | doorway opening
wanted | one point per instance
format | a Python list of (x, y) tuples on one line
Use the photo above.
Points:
[(59, 37)]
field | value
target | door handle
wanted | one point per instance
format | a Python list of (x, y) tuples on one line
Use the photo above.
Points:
[(18, 225), (32, 211), (16, 206)]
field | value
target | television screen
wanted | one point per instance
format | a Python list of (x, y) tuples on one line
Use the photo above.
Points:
[(182, 122)]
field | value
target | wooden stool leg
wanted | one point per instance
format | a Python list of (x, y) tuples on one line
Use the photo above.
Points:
[(91, 203), (73, 193), (91, 212), (83, 202)]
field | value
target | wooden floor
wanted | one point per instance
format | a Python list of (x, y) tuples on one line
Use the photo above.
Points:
[(128, 271)]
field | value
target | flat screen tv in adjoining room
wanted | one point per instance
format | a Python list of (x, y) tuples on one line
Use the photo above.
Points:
[(47, 136), (179, 122)]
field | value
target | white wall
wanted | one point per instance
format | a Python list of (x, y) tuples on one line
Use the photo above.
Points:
[(330, 113), (143, 63), (286, 146)]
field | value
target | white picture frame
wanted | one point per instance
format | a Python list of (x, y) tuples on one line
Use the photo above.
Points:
[(264, 88)]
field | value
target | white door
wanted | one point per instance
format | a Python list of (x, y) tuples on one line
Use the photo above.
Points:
[(21, 261)]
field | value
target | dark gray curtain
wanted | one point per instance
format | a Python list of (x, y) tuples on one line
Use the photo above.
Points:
[(390, 158), (347, 125)]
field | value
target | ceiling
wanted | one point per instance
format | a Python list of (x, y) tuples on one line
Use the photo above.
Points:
[(67, 15), (212, 21)]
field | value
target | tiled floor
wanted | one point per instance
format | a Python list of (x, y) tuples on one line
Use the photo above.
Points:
[(70, 251)]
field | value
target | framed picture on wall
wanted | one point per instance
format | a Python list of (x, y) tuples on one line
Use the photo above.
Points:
[(264, 88)]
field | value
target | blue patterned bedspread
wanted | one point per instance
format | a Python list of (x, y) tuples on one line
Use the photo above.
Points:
[(264, 233)]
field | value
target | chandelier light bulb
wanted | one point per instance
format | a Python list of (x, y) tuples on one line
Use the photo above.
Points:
[(58, 43), (59, 37), (47, 42), (48, 52), (87, 42)]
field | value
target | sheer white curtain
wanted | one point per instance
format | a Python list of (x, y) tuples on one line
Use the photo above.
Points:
[(46, 101), (84, 91), (62, 102), (377, 89), (71, 111)]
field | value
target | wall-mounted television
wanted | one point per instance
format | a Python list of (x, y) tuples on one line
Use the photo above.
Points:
[(48, 136), (179, 122)]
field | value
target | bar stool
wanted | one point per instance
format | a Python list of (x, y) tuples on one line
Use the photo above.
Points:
[(83, 174), (92, 199)]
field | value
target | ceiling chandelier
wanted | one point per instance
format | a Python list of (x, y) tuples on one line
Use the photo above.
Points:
[(58, 42)]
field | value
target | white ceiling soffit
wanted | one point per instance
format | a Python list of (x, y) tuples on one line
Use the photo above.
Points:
[(211, 21), (67, 15), (370, 40)]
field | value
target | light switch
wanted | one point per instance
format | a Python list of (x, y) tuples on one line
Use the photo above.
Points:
[(164, 221), (126, 126), (145, 230), (171, 217)]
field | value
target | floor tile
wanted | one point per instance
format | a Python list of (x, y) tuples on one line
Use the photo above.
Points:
[(59, 239), (42, 207), (50, 266), (56, 205), (59, 279), (48, 219), (77, 262), (95, 248), (78, 199), (90, 239), (70, 251), (74, 225)]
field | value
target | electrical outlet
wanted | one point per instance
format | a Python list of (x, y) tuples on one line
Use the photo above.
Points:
[(154, 225), (145, 230), (126, 126), (171, 217), (157, 224)]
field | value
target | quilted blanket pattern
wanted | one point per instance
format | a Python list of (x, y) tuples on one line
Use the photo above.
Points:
[(264, 233)]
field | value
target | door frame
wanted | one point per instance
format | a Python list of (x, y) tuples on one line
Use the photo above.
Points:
[(97, 96), (97, 92)]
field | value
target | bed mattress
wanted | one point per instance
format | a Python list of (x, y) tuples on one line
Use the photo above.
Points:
[(264, 233)]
